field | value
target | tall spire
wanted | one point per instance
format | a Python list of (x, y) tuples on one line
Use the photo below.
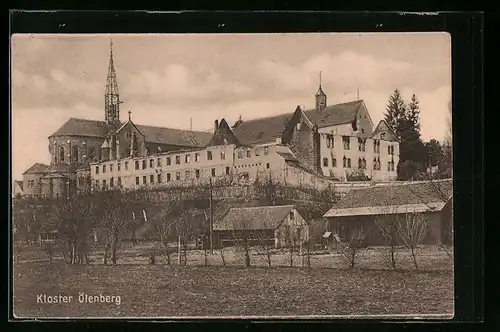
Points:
[(112, 96)]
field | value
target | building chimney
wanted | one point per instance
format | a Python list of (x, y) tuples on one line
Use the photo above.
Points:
[(216, 126)]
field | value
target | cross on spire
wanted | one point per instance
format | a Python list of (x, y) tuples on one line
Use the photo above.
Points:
[(129, 112), (320, 78)]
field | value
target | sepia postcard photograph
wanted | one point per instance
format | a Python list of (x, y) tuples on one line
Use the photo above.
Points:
[(259, 175)]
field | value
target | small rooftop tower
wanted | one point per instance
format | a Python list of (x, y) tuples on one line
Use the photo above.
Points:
[(320, 97)]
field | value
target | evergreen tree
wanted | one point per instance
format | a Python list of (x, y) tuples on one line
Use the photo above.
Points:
[(395, 112), (413, 113)]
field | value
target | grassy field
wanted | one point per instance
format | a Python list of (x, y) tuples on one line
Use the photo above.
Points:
[(166, 291)]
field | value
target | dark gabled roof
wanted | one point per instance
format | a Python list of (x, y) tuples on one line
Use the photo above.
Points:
[(251, 218), (172, 136), (83, 127), (334, 114), (269, 128), (223, 135), (159, 135), (37, 169), (398, 194), (261, 130)]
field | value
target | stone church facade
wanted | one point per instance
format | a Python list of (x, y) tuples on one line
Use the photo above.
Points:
[(330, 142)]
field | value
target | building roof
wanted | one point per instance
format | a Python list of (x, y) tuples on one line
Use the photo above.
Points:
[(396, 198), (261, 130), (253, 218), (269, 128), (37, 169), (334, 114), (160, 135), (83, 127), (19, 183), (380, 127), (172, 136)]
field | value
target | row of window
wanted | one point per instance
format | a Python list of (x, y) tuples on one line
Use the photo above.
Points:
[(75, 155), (361, 163), (187, 159), (346, 141)]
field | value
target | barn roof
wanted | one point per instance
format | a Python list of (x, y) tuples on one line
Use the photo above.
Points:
[(253, 218), (396, 198)]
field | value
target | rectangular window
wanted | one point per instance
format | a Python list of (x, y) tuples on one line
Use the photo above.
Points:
[(240, 154), (257, 151), (213, 171), (119, 167), (126, 165), (151, 163), (249, 153), (346, 140), (168, 161), (152, 178), (376, 146), (267, 165), (177, 176), (197, 173), (177, 160), (222, 154), (325, 162), (361, 144), (111, 182), (196, 157), (97, 183), (104, 184), (345, 162), (209, 155), (348, 162), (227, 170), (119, 181), (329, 140), (188, 158), (159, 178), (187, 175), (104, 168), (292, 215), (144, 179), (137, 180), (97, 170), (334, 162), (144, 164), (168, 177), (266, 151), (111, 167), (137, 164)]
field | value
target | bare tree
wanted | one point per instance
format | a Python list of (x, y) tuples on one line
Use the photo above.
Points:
[(388, 227), (241, 240), (412, 228), (188, 225), (349, 251), (265, 246)]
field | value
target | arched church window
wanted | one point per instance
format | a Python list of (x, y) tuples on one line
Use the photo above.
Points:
[(61, 154), (75, 153)]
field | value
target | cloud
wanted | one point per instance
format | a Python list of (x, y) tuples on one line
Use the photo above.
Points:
[(177, 81)]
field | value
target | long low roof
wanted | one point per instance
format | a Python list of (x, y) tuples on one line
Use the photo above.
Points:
[(253, 218), (391, 199)]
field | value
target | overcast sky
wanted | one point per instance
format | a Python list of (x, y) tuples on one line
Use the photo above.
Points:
[(166, 80)]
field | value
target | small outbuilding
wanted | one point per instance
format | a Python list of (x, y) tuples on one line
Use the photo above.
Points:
[(359, 210), (280, 226)]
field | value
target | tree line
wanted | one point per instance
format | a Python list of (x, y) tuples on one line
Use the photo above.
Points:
[(416, 156)]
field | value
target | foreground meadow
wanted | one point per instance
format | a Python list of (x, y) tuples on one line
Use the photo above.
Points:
[(167, 291)]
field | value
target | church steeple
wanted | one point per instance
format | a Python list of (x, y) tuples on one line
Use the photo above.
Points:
[(112, 96), (320, 97)]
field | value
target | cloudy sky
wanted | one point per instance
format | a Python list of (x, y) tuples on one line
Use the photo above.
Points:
[(167, 80)]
